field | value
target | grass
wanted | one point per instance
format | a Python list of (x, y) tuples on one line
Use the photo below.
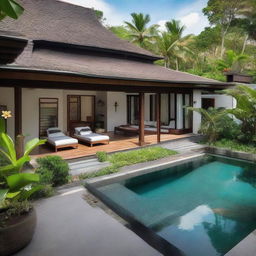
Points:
[(233, 145), (122, 159)]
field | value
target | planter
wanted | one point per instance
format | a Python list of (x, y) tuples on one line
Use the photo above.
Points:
[(18, 235)]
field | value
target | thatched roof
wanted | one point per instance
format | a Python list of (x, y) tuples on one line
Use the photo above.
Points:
[(56, 21), (69, 38), (106, 67)]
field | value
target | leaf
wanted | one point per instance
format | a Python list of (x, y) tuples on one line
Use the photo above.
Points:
[(8, 145), (3, 193), (2, 124), (20, 180), (26, 194), (11, 8), (7, 168), (30, 145), (12, 195)]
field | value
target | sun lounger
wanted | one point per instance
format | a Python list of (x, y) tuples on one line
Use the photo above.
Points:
[(85, 134), (57, 139)]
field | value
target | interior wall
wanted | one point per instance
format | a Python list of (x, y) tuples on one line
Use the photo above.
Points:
[(7, 98), (118, 117), (30, 109), (221, 101)]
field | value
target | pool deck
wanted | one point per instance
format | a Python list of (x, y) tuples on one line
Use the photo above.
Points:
[(67, 225)]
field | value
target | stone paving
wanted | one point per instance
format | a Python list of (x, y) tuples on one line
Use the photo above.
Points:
[(68, 226)]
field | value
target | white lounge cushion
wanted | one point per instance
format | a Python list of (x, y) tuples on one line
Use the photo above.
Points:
[(54, 132), (150, 123), (93, 137), (170, 126), (151, 129), (61, 140), (83, 130)]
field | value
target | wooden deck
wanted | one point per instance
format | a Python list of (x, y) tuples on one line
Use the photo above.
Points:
[(117, 143)]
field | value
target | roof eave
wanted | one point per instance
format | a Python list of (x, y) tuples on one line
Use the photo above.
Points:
[(72, 73)]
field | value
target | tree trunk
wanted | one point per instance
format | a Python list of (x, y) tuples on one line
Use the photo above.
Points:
[(19, 146), (244, 44), (177, 64), (222, 45)]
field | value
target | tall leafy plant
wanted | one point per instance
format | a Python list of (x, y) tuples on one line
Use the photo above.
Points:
[(16, 185), (210, 122), (245, 110)]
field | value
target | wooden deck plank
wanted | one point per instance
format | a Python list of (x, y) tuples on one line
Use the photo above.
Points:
[(117, 143)]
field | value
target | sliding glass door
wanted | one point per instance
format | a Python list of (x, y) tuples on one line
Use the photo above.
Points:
[(81, 111), (133, 112)]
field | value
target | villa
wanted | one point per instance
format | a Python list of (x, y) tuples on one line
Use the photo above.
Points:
[(74, 72)]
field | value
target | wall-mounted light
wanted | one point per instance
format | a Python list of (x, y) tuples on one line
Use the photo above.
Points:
[(116, 105)]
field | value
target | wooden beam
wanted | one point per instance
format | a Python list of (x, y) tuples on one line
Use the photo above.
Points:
[(18, 110), (141, 121), (158, 117)]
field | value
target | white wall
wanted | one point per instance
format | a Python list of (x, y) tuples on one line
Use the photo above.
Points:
[(197, 103), (118, 117), (221, 101), (30, 109), (7, 98)]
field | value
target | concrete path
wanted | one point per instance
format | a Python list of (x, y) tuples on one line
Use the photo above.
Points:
[(184, 145), (68, 226)]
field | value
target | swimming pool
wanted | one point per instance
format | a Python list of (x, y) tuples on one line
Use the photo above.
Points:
[(203, 206)]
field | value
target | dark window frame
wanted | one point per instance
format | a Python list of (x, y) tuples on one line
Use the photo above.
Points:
[(50, 102)]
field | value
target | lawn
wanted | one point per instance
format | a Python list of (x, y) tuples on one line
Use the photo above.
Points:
[(122, 159)]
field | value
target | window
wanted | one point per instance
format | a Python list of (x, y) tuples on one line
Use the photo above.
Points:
[(48, 114), (81, 111), (152, 104), (133, 112)]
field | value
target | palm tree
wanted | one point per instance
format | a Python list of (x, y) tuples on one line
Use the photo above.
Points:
[(232, 61), (173, 46), (175, 28), (138, 31)]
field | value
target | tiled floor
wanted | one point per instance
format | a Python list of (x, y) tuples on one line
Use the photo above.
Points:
[(117, 143)]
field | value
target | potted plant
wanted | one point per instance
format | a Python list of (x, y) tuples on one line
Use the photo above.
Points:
[(17, 215)]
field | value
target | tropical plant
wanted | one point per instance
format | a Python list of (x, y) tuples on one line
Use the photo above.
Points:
[(138, 31), (210, 122), (15, 185), (245, 111), (232, 61), (10, 8)]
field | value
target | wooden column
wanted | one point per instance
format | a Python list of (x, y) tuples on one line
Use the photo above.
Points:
[(158, 117), (18, 110), (141, 121)]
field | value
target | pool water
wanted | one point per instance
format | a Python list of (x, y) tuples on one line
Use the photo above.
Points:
[(202, 207)]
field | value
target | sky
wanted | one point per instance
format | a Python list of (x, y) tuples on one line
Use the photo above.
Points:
[(189, 12)]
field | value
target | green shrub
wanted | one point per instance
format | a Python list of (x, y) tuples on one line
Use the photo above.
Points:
[(119, 160), (53, 170), (46, 191), (102, 156)]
